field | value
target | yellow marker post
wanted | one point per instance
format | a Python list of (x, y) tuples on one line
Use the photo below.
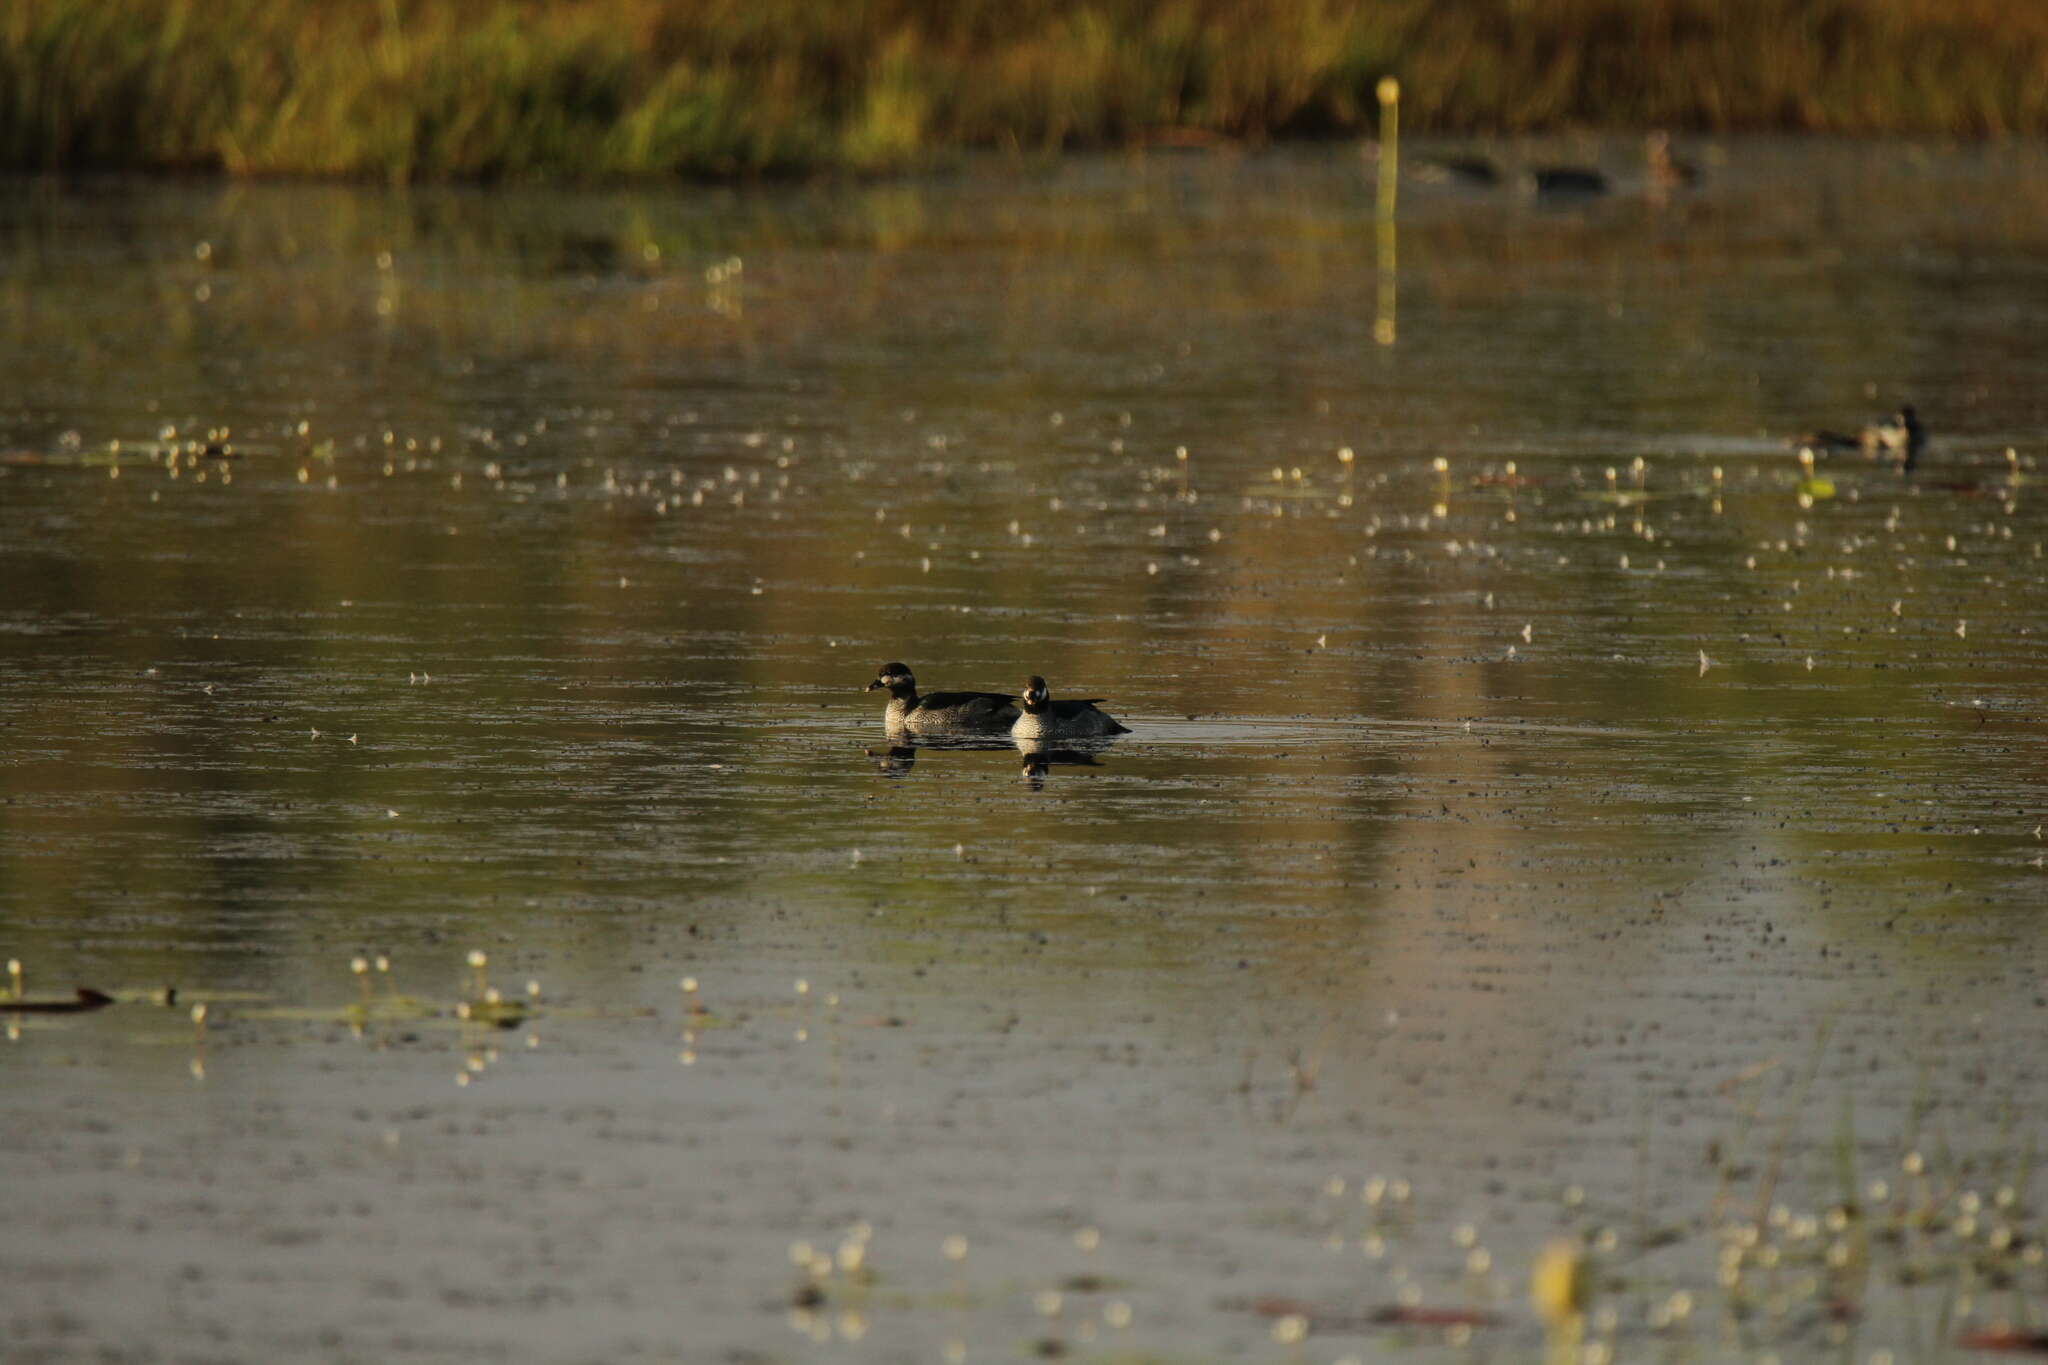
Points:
[(1383, 330), (1390, 142)]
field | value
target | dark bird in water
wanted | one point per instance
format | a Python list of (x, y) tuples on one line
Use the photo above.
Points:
[(1667, 172), (959, 713), (1565, 181), (1899, 438), (1045, 718), (1465, 170), (83, 999)]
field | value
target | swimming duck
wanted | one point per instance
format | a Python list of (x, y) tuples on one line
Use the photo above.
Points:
[(975, 713), (1565, 182), (1899, 437), (1045, 718)]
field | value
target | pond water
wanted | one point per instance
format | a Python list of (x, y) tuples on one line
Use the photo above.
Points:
[(1549, 818)]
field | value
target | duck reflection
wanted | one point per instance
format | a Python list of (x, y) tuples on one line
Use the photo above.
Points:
[(1039, 756), (901, 756), (894, 761), (1042, 755)]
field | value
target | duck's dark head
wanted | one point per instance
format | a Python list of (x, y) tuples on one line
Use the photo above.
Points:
[(896, 680), (1036, 693)]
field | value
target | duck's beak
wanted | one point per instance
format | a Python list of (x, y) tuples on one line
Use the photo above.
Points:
[(872, 686)]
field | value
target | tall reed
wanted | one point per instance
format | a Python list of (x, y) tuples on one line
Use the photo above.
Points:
[(406, 89)]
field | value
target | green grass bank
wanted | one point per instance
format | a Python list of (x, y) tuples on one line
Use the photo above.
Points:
[(408, 89)]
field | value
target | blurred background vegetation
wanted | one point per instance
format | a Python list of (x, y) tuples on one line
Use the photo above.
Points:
[(421, 89)]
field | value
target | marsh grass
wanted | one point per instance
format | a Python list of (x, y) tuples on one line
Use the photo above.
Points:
[(482, 89)]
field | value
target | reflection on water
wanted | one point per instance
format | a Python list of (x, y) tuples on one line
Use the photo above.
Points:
[(1042, 756), (1527, 747), (901, 755), (896, 760), (1039, 756)]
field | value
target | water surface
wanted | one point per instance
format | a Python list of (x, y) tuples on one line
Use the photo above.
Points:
[(1557, 811)]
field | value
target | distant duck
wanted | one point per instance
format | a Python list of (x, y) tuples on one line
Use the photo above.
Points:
[(1899, 438), (1823, 441), (1465, 169), (936, 713), (1566, 181), (1045, 718), (1667, 172)]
